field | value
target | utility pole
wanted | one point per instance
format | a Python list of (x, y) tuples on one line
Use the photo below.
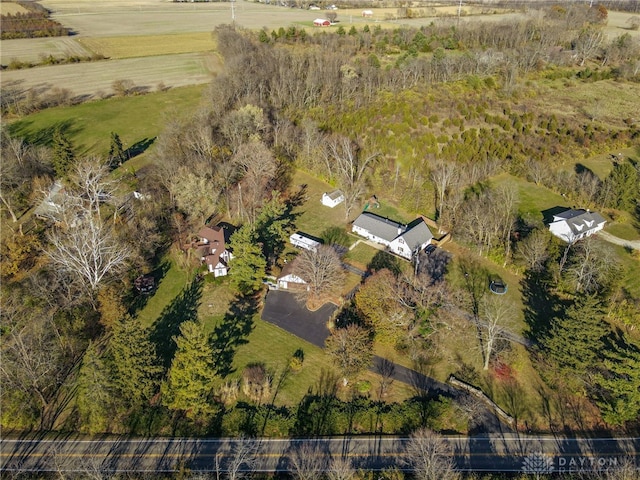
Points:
[(233, 13), (459, 11)]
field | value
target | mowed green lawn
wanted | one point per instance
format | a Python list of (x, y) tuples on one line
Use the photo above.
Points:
[(532, 199), (89, 125)]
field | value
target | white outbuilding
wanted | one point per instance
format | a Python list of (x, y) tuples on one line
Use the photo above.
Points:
[(332, 199)]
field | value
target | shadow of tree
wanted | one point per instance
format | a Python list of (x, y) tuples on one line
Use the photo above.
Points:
[(315, 414), (183, 308), (476, 280), (139, 147), (382, 260), (232, 332), (42, 136), (540, 303)]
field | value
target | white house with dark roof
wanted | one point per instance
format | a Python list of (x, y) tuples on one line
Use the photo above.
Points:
[(403, 240), (573, 225), (213, 252), (332, 199)]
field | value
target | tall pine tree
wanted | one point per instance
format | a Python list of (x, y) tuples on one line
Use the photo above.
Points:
[(133, 361), (618, 387), (117, 155), (63, 156), (95, 394), (575, 340), (189, 384), (248, 266)]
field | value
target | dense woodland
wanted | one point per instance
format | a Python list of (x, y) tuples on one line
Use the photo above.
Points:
[(432, 116)]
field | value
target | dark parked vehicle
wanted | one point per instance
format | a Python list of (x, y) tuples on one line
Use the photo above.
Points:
[(429, 249)]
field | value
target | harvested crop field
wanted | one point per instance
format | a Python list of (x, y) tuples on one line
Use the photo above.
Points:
[(149, 45), (33, 49), (96, 78), (11, 8)]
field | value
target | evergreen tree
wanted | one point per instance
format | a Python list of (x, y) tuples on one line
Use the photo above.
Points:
[(575, 340), (94, 397), (624, 186), (189, 383), (62, 156), (618, 395), (273, 226), (117, 155), (248, 264), (133, 362)]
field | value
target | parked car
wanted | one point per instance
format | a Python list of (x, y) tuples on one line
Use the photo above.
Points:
[(429, 249)]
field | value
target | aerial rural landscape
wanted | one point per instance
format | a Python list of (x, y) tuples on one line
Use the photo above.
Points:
[(361, 240)]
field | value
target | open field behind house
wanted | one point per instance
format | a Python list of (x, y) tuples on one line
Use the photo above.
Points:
[(11, 8), (95, 79)]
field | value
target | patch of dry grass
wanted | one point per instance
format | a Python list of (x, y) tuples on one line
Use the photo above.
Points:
[(11, 8), (149, 45)]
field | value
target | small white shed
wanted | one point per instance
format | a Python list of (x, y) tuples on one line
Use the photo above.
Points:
[(332, 199)]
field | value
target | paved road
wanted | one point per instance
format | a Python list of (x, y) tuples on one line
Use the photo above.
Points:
[(504, 453), (607, 237)]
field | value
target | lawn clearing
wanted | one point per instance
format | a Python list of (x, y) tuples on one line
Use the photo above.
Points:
[(361, 255), (174, 281), (315, 217), (533, 199), (149, 45), (89, 125), (274, 347)]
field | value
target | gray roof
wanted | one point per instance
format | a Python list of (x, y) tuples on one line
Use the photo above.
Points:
[(379, 226), (334, 195), (580, 220), (417, 235)]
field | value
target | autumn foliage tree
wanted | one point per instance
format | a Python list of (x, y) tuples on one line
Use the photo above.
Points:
[(322, 270), (351, 348)]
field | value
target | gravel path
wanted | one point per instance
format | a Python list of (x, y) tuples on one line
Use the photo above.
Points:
[(607, 237)]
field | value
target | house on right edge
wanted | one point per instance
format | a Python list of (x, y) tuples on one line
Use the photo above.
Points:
[(573, 225)]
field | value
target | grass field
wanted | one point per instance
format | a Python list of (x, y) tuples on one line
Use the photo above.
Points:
[(149, 45), (533, 199), (11, 8), (89, 125)]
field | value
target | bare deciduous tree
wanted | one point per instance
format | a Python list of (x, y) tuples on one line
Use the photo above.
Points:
[(591, 266), (88, 250), (308, 461), (430, 456), (257, 168), (351, 348), (444, 176), (242, 459), (340, 468), (322, 270), (350, 169), (496, 313), (588, 44), (533, 250)]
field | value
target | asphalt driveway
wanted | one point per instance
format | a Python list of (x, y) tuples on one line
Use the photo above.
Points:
[(282, 309)]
